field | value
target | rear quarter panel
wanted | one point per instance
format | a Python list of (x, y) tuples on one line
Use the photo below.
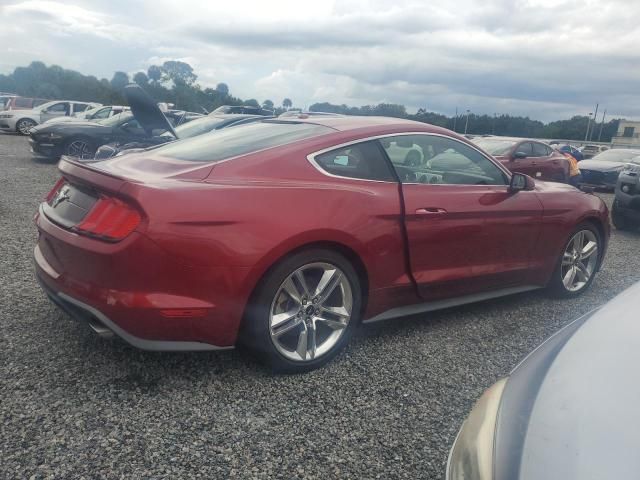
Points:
[(252, 211)]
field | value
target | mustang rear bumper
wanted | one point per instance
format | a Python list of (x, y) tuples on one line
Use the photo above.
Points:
[(105, 327), (137, 291)]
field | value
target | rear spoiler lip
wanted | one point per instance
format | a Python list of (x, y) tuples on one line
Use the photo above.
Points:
[(93, 177)]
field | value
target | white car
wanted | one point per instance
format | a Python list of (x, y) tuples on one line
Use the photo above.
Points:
[(22, 121), (96, 113)]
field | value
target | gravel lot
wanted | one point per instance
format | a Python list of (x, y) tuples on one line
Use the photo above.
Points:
[(75, 406)]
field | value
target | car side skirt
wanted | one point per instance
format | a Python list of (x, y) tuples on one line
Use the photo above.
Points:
[(448, 303)]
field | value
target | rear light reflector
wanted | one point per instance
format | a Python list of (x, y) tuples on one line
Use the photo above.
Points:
[(54, 190), (110, 219)]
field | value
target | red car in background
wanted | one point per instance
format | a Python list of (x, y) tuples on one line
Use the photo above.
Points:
[(533, 158), (283, 235)]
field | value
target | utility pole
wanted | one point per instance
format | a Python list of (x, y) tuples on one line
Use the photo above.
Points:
[(586, 134), (466, 123), (595, 119), (602, 124), (455, 120)]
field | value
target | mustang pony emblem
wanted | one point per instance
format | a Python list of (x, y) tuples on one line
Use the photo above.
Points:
[(61, 196)]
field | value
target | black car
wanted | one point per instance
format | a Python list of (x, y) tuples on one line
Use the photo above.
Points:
[(625, 212), (196, 127), (82, 139)]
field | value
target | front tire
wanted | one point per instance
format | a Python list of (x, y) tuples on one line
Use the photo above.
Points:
[(304, 311), (24, 125), (578, 263)]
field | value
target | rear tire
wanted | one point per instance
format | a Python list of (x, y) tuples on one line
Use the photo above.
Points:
[(303, 312), (578, 262)]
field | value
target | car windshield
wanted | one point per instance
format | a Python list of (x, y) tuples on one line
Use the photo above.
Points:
[(494, 146), (198, 127), (90, 111), (232, 142), (116, 120), (618, 155)]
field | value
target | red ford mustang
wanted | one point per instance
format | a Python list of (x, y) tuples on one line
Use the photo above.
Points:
[(283, 235)]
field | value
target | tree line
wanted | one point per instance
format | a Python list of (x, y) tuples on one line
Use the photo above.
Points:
[(176, 82)]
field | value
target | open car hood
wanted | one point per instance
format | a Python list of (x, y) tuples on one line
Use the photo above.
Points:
[(146, 111)]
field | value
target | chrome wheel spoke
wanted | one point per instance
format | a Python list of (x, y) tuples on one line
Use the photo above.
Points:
[(589, 249), (303, 283), (569, 277), (301, 348), (292, 290), (567, 259), (341, 312), (334, 324), (582, 273), (328, 283)]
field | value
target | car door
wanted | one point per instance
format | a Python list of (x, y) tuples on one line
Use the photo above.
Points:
[(466, 232), (547, 165), (61, 109), (522, 159)]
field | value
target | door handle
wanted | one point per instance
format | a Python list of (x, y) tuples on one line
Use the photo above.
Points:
[(430, 211)]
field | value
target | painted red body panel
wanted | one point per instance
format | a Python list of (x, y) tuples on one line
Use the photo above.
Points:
[(209, 234)]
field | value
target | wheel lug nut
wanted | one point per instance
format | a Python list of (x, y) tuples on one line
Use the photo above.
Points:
[(315, 300)]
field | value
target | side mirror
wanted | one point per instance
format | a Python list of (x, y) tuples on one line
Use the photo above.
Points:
[(520, 181), (519, 155)]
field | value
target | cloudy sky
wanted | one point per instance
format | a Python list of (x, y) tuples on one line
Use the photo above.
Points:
[(548, 59)]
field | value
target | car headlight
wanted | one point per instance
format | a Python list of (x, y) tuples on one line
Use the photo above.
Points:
[(53, 136), (6, 115), (631, 168), (471, 457)]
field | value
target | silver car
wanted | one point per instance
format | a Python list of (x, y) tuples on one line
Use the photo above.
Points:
[(569, 411), (21, 121)]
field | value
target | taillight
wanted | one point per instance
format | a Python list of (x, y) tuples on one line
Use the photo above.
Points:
[(54, 190), (110, 219)]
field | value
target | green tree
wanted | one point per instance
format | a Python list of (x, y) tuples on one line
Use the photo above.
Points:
[(222, 89), (119, 80), (252, 102), (287, 103), (268, 104), (141, 79), (180, 73), (154, 73)]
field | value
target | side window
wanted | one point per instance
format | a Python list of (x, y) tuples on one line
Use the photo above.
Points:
[(80, 107), (362, 160), (58, 108), (525, 148), (102, 113), (433, 159), (540, 150)]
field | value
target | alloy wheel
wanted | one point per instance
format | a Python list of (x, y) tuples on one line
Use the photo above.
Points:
[(80, 149), (310, 312), (24, 126), (579, 260)]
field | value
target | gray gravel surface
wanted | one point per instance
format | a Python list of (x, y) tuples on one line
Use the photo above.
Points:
[(75, 406)]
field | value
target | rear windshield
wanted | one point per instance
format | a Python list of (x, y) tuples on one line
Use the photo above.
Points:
[(232, 142)]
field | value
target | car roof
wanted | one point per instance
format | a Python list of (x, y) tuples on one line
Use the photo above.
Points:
[(348, 123)]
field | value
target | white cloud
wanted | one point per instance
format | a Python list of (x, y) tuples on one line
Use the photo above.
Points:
[(542, 58)]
